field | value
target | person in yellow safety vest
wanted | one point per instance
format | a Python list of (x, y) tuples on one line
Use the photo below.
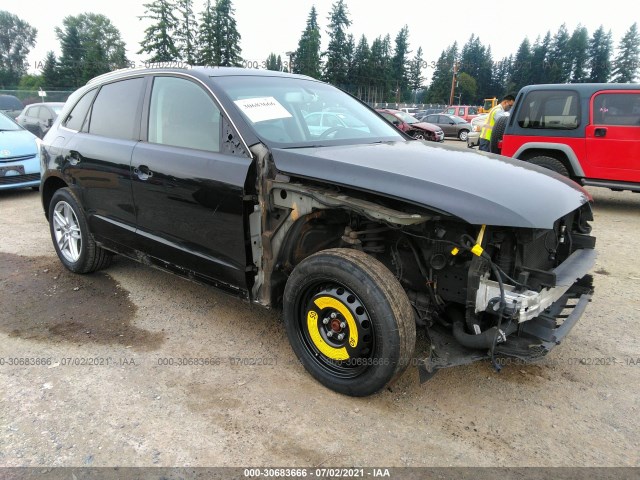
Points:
[(494, 114)]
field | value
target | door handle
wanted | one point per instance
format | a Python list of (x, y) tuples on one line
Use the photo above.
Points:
[(600, 132), (143, 172)]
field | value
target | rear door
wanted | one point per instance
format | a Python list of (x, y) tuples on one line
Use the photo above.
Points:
[(613, 135), (188, 193), (98, 156), (31, 119)]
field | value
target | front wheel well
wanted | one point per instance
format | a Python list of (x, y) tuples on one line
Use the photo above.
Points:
[(541, 152), (50, 187)]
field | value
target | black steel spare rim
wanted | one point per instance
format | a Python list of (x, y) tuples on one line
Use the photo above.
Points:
[(336, 329)]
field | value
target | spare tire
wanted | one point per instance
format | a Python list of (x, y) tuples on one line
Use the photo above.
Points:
[(498, 133)]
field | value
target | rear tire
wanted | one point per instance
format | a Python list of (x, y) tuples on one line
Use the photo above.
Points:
[(497, 133), (550, 163), (349, 321), (71, 237)]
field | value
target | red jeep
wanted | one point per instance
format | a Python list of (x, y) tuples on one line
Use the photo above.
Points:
[(588, 132)]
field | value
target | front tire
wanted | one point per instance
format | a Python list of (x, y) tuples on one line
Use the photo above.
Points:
[(463, 134), (349, 321), (72, 240)]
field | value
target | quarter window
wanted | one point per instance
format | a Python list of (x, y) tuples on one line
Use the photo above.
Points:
[(181, 114), (114, 112), (617, 109), (75, 119), (550, 109)]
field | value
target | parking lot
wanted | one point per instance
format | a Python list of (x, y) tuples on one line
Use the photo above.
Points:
[(135, 367)]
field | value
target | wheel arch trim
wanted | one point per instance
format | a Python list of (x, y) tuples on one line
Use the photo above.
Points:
[(565, 149)]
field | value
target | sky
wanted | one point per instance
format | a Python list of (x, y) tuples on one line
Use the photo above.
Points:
[(276, 25)]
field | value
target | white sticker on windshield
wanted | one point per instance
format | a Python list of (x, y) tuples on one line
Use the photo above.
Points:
[(263, 108)]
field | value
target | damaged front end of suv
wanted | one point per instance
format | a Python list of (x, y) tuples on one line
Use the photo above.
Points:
[(490, 267)]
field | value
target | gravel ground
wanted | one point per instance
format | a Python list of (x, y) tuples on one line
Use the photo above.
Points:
[(128, 407)]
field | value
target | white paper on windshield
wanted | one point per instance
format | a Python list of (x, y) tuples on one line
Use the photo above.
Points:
[(263, 108)]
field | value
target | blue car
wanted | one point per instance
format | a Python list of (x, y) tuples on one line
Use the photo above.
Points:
[(19, 156)]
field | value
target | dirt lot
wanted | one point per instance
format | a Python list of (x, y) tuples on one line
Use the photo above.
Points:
[(128, 407)]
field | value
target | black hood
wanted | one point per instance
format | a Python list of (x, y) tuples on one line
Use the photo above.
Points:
[(476, 187)]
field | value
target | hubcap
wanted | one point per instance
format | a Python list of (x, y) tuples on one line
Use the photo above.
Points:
[(67, 231), (336, 330)]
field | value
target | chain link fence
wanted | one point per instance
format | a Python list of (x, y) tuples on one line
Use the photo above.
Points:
[(27, 97)]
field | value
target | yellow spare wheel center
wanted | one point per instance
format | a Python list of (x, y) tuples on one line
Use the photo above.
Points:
[(314, 331)]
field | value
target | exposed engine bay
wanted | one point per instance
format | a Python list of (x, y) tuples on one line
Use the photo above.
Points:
[(478, 291)]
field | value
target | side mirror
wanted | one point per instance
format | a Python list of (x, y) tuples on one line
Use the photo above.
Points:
[(396, 123)]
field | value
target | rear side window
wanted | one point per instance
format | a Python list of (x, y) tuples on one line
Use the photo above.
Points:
[(617, 109), (44, 114), (181, 114), (473, 111), (33, 111), (76, 117), (114, 112), (550, 109)]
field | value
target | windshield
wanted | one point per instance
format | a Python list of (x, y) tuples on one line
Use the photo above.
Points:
[(293, 112), (57, 109), (406, 118), (6, 124)]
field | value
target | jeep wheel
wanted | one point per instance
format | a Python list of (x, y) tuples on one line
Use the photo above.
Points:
[(463, 134), (349, 321), (72, 240), (497, 133), (550, 163)]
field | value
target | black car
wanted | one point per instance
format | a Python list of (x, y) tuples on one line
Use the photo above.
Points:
[(10, 105), (360, 235), (39, 117)]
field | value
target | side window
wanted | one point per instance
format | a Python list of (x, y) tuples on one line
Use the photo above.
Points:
[(33, 111), (181, 114), (313, 119), (389, 118), (617, 109), (451, 111), (432, 119), (76, 117), (44, 114), (461, 111), (330, 121), (114, 111), (550, 109), (473, 111)]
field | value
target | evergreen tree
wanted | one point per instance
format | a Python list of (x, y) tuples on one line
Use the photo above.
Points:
[(17, 38), (416, 80), (337, 67), (350, 86), (51, 71), (466, 90), (307, 56), (500, 78), (627, 62), (560, 57), (600, 49), (540, 66), (476, 61), (361, 73), (186, 32), (579, 51), (440, 87), (380, 68), (207, 37), (227, 38), (399, 61), (520, 74), (274, 63), (71, 59), (158, 37)]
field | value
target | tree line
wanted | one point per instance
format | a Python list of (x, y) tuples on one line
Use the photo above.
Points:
[(383, 70)]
